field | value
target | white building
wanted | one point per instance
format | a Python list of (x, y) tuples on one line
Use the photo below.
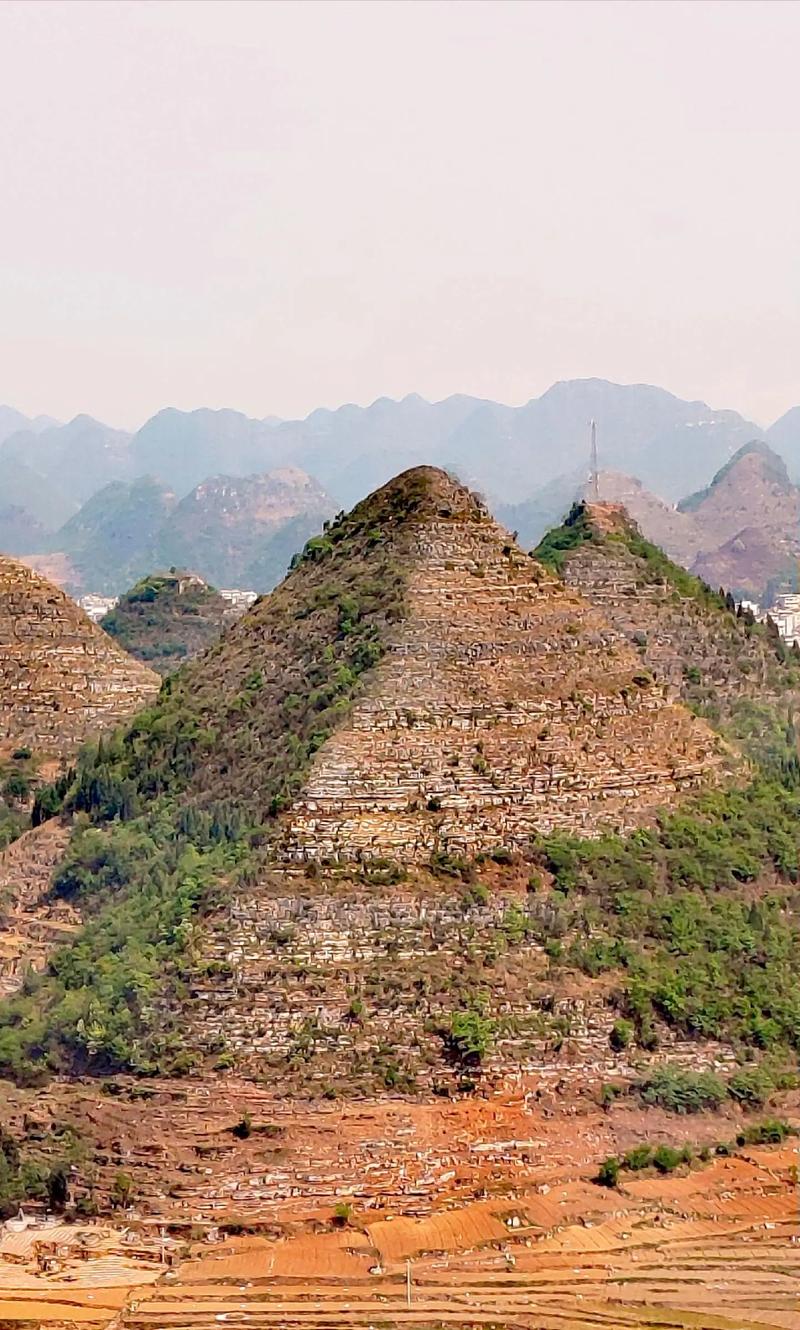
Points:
[(239, 600), (95, 607)]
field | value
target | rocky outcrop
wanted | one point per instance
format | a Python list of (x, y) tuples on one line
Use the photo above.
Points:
[(61, 678)]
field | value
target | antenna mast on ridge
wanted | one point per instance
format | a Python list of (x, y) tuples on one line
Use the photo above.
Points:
[(594, 478)]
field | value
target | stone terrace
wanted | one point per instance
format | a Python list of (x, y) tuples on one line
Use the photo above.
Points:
[(505, 706), (61, 677)]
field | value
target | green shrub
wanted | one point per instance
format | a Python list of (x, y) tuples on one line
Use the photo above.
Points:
[(17, 788), (641, 1156), (682, 1091), (608, 1172), (469, 1037), (772, 1131), (666, 1159), (672, 911), (621, 1036), (752, 1086)]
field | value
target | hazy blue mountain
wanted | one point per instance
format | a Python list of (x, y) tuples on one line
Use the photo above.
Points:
[(110, 542), (532, 518), (271, 557), (20, 533), (529, 461), (232, 530), (183, 448), (511, 453), (236, 530), (784, 436), (20, 487), (11, 421), (354, 449), (79, 457)]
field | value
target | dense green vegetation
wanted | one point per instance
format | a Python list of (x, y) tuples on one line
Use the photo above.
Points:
[(674, 911), (18, 787), (169, 811), (25, 1176), (765, 732), (141, 887), (165, 618)]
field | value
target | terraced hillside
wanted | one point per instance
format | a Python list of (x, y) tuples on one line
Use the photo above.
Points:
[(326, 853), (482, 1212), (61, 678), (724, 666), (417, 683), (415, 922)]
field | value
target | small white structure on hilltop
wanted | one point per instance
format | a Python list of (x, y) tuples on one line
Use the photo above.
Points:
[(785, 614), (240, 601), (95, 607)]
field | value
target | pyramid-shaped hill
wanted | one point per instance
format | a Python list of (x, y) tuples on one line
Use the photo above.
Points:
[(417, 683), (716, 660), (61, 678)]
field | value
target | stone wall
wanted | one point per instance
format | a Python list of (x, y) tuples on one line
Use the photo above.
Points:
[(313, 986)]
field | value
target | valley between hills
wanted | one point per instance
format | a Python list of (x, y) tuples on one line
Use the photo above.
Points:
[(424, 950)]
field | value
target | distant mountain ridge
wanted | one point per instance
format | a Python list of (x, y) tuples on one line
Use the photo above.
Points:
[(79, 457), (510, 452), (11, 421), (529, 461), (233, 531), (741, 532)]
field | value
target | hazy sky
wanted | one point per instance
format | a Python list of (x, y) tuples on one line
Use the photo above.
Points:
[(278, 206)]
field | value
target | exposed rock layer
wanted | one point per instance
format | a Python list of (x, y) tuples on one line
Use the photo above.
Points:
[(505, 706), (703, 654), (61, 678)]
